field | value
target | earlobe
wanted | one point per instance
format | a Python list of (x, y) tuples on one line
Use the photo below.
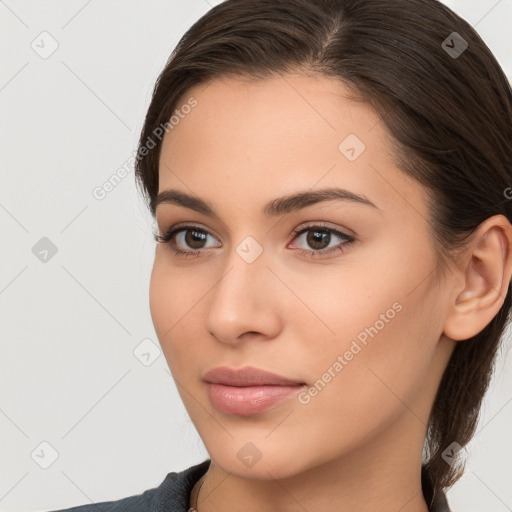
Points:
[(487, 268)]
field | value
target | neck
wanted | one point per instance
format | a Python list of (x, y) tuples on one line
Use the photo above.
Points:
[(365, 481)]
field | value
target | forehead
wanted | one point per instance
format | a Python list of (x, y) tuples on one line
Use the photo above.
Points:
[(292, 103), (274, 136)]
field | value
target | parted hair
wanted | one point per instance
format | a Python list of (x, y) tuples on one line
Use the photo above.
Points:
[(448, 107)]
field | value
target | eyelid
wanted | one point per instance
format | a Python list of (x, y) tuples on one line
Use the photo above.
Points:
[(310, 254), (347, 240), (295, 231), (310, 224), (188, 225)]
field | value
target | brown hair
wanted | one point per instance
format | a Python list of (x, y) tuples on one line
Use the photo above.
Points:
[(450, 117)]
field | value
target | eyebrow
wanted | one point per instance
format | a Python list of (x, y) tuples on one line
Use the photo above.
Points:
[(274, 208)]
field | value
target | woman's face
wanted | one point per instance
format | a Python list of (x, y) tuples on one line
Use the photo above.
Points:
[(360, 324)]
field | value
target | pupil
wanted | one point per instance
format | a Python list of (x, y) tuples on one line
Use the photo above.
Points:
[(192, 237), (317, 236)]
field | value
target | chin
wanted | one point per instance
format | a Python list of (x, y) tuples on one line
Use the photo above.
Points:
[(257, 459)]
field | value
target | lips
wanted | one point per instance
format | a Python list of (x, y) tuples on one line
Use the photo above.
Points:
[(248, 391), (247, 376)]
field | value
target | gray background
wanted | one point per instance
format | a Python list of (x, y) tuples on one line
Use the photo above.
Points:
[(70, 325)]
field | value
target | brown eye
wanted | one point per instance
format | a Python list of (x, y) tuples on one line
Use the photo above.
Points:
[(186, 240), (318, 239), (194, 238)]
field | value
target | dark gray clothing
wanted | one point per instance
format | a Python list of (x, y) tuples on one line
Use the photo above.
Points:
[(173, 495)]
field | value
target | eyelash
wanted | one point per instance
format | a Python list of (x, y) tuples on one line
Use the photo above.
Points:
[(168, 237)]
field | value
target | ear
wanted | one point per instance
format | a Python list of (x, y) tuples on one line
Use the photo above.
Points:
[(485, 270)]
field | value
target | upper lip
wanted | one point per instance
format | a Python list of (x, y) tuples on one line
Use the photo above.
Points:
[(247, 376)]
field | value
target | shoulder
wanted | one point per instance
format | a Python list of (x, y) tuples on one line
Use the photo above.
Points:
[(172, 494)]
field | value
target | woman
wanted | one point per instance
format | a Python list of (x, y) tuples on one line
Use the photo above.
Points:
[(332, 276)]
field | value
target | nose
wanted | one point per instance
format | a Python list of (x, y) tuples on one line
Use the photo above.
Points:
[(244, 303)]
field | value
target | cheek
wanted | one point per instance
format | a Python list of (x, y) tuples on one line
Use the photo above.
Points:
[(159, 297), (173, 299), (357, 390), (378, 333)]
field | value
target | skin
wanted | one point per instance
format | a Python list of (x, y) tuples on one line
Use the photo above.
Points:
[(357, 444)]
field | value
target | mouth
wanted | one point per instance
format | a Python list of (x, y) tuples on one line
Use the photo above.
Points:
[(247, 376), (249, 390), (249, 400)]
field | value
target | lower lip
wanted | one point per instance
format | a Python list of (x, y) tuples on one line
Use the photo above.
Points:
[(248, 400)]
